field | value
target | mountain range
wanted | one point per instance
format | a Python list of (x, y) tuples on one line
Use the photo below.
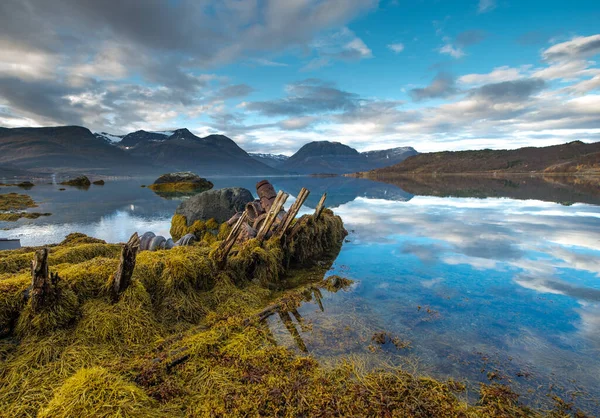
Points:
[(325, 157), (74, 149)]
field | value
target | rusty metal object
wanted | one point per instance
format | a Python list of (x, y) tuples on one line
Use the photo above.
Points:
[(259, 221), (266, 194), (254, 210)]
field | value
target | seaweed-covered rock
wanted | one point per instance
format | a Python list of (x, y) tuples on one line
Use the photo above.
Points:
[(99, 183), (219, 205), (181, 182), (81, 181)]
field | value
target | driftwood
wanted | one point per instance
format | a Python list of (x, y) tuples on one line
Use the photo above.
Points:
[(227, 244), (291, 214), (122, 277), (320, 206), (43, 284), (272, 215), (273, 212)]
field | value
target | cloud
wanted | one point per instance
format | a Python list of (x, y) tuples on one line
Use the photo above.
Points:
[(509, 91), (396, 48), (443, 85), (306, 97), (232, 91), (577, 48), (341, 45), (499, 74), (470, 37), (486, 6), (454, 52)]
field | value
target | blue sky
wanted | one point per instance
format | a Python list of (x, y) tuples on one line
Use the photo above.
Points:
[(274, 75)]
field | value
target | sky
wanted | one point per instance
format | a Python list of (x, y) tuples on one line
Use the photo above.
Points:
[(276, 74)]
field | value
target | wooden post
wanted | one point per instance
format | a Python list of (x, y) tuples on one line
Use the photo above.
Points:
[(320, 206), (291, 215), (41, 289), (122, 277), (227, 244), (273, 212)]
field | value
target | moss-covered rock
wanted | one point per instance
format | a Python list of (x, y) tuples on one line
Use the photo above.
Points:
[(183, 182), (80, 181)]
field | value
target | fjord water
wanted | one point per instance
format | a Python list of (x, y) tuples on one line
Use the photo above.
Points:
[(485, 289)]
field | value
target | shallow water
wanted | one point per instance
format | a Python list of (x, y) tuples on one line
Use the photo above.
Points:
[(483, 288)]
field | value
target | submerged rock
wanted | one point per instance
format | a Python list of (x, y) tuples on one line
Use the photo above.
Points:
[(181, 182), (219, 205), (81, 181)]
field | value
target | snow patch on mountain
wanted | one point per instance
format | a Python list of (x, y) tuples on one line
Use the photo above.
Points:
[(111, 139)]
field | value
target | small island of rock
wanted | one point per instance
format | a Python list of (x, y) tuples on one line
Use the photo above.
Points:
[(183, 182)]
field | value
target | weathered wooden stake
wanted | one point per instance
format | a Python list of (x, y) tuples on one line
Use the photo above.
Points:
[(320, 206), (273, 212), (41, 289), (227, 244), (294, 209), (122, 277)]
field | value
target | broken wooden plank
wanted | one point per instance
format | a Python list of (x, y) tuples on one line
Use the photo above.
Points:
[(122, 277), (227, 244), (294, 209), (320, 206), (273, 212)]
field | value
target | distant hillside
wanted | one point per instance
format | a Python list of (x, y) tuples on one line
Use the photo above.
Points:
[(574, 157), (387, 157), (326, 157), (64, 149), (181, 150), (272, 160)]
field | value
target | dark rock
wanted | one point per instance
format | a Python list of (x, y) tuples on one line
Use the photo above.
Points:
[(81, 181), (26, 185), (219, 204), (99, 183)]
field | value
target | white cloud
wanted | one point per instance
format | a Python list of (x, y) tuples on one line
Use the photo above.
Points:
[(451, 50), (396, 48), (486, 6), (577, 48), (499, 74)]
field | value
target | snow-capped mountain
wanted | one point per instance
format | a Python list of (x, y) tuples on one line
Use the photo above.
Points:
[(272, 160)]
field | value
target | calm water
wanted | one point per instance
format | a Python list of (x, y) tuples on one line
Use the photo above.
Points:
[(483, 288)]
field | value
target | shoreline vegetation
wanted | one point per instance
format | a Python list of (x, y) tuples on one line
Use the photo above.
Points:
[(13, 204), (187, 336)]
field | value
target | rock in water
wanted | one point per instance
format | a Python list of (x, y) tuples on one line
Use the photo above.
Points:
[(181, 182), (81, 181), (219, 205)]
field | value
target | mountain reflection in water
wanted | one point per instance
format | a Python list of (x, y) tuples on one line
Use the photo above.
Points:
[(503, 288)]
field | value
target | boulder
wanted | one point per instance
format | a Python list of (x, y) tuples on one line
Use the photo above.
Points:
[(219, 205)]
